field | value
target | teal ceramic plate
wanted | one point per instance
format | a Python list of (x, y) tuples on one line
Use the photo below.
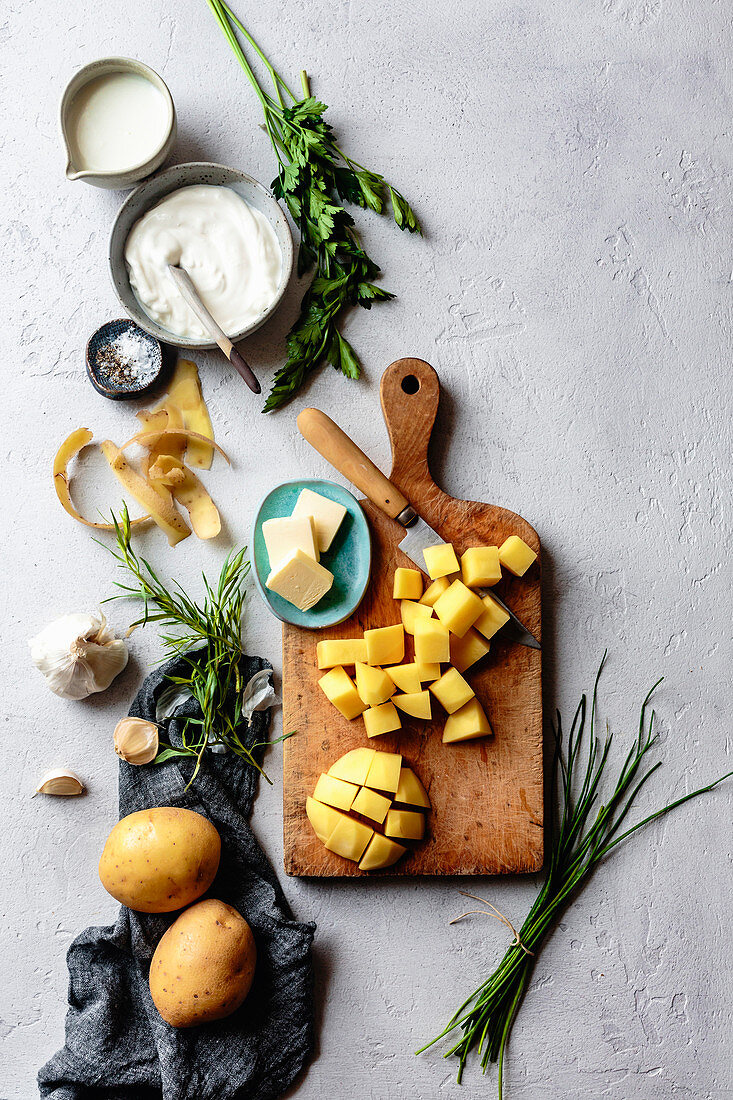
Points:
[(349, 556)]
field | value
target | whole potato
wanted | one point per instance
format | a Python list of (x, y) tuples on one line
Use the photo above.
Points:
[(158, 860), (203, 966)]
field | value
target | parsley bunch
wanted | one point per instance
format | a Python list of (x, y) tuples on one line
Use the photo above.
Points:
[(315, 177)]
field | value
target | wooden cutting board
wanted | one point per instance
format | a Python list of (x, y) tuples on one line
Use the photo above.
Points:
[(486, 795)]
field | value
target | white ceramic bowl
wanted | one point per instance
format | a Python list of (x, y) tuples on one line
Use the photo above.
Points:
[(116, 180), (150, 193)]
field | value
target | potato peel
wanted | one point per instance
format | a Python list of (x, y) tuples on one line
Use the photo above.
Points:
[(157, 499), (185, 394), (153, 439), (68, 450)]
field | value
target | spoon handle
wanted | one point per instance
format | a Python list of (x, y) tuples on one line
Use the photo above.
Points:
[(191, 297)]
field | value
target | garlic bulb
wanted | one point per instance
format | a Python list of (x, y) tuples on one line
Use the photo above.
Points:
[(136, 740), (60, 782), (78, 655)]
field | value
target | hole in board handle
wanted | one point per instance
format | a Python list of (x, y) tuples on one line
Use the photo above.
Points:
[(410, 384)]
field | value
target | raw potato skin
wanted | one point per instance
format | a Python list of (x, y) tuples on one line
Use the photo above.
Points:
[(203, 966), (158, 860)]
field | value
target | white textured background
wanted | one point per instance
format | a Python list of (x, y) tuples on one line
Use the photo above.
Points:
[(573, 172)]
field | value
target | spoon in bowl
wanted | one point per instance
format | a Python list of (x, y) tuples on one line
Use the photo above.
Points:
[(191, 297)]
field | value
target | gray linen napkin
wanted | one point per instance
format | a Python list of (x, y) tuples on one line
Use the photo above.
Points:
[(117, 1046)]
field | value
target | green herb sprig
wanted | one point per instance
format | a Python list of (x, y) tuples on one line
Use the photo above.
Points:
[(580, 838), (207, 636), (314, 178)]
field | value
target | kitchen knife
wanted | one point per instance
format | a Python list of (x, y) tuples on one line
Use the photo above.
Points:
[(344, 455)]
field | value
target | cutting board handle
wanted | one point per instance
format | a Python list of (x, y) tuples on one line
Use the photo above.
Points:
[(410, 393)]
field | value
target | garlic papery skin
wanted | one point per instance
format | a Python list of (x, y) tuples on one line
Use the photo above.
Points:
[(136, 740), (78, 654), (60, 782)]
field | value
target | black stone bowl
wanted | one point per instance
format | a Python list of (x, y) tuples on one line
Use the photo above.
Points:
[(122, 380)]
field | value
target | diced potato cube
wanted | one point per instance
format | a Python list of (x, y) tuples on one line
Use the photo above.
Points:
[(335, 792), (415, 703), (338, 686), (405, 677), (480, 566), (492, 618), (437, 588), (374, 685), (428, 670), (458, 608), (381, 852), (411, 790), (372, 805), (385, 645), (411, 611), (354, 765), (408, 824), (407, 584), (469, 649), (349, 838), (340, 651), (384, 772), (516, 556), (324, 819), (451, 690), (440, 560), (467, 723), (432, 641), (381, 719)]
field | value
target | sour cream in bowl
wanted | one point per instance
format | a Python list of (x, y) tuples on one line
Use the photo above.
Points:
[(224, 228)]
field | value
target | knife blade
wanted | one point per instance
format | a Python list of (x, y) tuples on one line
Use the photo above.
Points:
[(419, 536), (335, 446)]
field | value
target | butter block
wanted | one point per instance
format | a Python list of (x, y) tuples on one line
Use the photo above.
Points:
[(327, 515), (458, 608), (374, 685), (372, 805), (335, 792), (451, 690), (406, 677), (437, 588), (416, 704), (380, 852), (516, 556), (340, 651), (349, 838), (300, 580), (353, 766), (440, 560), (410, 611), (282, 536), (324, 819), (411, 791), (385, 645), (340, 689), (469, 649), (382, 719), (492, 618), (480, 566), (467, 723), (432, 641), (407, 584), (384, 771), (407, 824)]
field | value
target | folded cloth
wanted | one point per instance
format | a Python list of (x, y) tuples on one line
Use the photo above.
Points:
[(117, 1046)]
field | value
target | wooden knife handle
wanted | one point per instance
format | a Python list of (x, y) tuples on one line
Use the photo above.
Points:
[(344, 455)]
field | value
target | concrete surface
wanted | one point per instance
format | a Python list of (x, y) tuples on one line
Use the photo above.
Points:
[(572, 166)]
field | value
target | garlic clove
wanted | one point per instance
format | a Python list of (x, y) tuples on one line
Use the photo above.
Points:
[(78, 654), (60, 782), (136, 740)]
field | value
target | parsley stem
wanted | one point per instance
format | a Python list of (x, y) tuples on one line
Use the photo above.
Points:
[(305, 84)]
